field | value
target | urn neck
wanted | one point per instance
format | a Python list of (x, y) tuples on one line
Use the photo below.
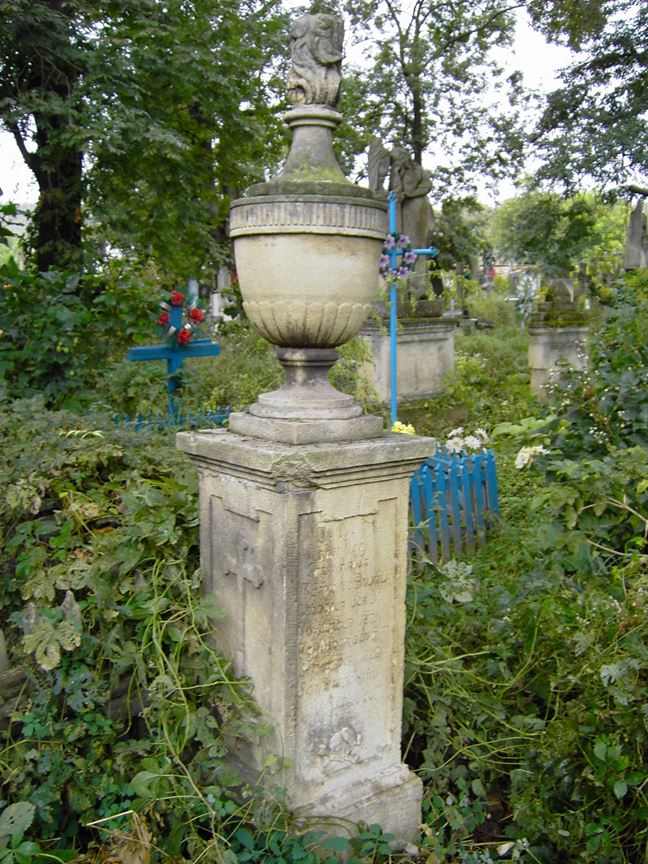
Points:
[(311, 157)]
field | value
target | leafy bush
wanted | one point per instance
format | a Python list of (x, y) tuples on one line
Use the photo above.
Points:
[(526, 708), (127, 706), (58, 329), (607, 405)]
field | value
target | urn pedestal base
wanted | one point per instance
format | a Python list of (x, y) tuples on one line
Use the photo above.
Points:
[(306, 431), (306, 409), (305, 549)]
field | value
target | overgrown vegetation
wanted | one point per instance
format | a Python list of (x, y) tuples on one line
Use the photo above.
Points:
[(525, 706)]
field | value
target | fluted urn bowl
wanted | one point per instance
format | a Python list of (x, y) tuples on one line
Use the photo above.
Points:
[(307, 265), (307, 248)]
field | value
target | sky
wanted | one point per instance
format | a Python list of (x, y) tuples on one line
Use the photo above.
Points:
[(537, 60)]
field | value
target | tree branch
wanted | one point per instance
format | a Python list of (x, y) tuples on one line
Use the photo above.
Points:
[(462, 35), (637, 190), (33, 162)]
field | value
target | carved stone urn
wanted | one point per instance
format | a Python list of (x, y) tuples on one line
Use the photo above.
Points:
[(307, 246)]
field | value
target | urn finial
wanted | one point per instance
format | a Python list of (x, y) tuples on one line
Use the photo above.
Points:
[(316, 48)]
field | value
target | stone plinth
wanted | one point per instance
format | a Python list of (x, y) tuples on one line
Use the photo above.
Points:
[(548, 346), (426, 353), (305, 549)]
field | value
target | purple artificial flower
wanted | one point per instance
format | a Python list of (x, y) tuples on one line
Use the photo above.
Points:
[(384, 262), (403, 241), (402, 271), (390, 242), (409, 258)]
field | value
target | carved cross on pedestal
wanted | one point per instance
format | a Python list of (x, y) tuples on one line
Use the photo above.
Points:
[(175, 354)]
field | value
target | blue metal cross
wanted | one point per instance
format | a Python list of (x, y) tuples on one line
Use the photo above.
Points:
[(175, 355), (429, 253)]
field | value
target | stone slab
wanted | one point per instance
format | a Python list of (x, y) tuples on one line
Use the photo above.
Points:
[(305, 549), (549, 346), (426, 354), (306, 431)]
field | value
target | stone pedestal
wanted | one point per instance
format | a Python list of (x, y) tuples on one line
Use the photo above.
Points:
[(548, 346), (426, 354), (305, 548)]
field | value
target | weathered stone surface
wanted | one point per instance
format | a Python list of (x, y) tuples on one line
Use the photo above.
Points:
[(307, 268), (306, 431), (635, 254), (305, 548), (426, 354), (548, 346), (316, 50)]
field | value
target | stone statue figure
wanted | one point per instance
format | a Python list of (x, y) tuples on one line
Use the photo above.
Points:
[(636, 248), (411, 184), (316, 47)]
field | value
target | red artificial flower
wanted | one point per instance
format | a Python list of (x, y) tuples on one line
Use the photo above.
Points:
[(184, 336), (163, 320), (196, 315), (177, 298)]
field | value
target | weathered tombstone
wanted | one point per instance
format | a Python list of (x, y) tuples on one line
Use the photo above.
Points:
[(304, 500), (636, 248), (558, 330), (425, 339)]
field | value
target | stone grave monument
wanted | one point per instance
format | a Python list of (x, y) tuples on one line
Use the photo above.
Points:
[(304, 500), (635, 253), (425, 340), (558, 333)]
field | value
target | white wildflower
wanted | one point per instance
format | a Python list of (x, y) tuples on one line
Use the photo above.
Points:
[(526, 454), (472, 442)]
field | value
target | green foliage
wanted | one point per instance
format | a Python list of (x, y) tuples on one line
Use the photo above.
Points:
[(459, 234), (151, 115), (594, 125), (525, 700), (429, 70), (606, 406), (57, 328), (127, 705), (527, 668), (556, 234)]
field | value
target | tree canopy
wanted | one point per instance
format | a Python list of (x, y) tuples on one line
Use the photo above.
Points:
[(431, 76), (136, 116), (554, 233), (595, 126)]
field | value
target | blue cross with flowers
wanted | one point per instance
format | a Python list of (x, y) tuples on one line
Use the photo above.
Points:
[(393, 248), (178, 347)]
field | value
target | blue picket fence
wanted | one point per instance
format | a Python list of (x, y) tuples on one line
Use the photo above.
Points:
[(192, 420), (453, 504)]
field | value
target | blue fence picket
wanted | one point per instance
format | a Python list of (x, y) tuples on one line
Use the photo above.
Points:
[(166, 421), (444, 529), (454, 501), (417, 537), (469, 521)]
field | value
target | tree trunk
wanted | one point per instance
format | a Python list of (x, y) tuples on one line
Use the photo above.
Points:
[(56, 234)]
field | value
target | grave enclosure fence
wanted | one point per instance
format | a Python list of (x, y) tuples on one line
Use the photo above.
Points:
[(454, 503)]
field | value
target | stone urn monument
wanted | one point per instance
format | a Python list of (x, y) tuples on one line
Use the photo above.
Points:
[(304, 500), (306, 245)]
